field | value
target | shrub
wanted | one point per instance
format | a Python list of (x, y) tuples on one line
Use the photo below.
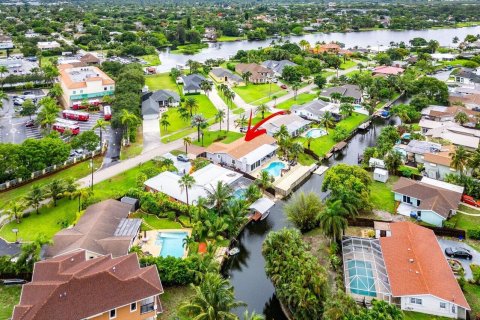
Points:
[(406, 172), (449, 224), (473, 234), (171, 215), (476, 273), (173, 271)]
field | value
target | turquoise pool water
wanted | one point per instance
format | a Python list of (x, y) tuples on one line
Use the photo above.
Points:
[(275, 168), (361, 278), (239, 194), (171, 243), (315, 133)]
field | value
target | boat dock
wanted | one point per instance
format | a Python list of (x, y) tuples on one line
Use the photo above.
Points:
[(321, 170), (285, 185), (365, 125)]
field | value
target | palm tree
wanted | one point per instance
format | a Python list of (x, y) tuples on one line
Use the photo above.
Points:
[(184, 114), (333, 221), (48, 112), (246, 77), (164, 122), (219, 195), (253, 315), (3, 96), (296, 149), (55, 190), (262, 109), (186, 142), (461, 118), (213, 300), (309, 141), (186, 182), (304, 44), (206, 86), (335, 96), (220, 116), (327, 120), (474, 161), (274, 98), (82, 193), (15, 210), (346, 109), (34, 197), (223, 88), (252, 193), (460, 159), (295, 86), (302, 210), (282, 133), (191, 104), (241, 121), (200, 122), (264, 180), (128, 119), (101, 124), (229, 95)]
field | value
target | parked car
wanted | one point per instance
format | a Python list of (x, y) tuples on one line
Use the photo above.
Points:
[(476, 109), (183, 157), (470, 200), (29, 123), (18, 102), (243, 129), (458, 253), (283, 86)]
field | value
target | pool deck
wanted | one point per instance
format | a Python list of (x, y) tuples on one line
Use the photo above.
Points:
[(148, 244), (295, 176)]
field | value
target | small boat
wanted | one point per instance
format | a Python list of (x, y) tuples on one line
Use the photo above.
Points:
[(233, 251)]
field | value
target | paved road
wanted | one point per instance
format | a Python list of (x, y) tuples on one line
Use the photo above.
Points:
[(445, 243)]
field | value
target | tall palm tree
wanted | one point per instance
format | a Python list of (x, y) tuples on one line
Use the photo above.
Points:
[(164, 122), (282, 133), (460, 159), (206, 86), (229, 95), (264, 180), (220, 116), (80, 194), (223, 88), (333, 221), (219, 195), (295, 86), (192, 105), (246, 77), (213, 300), (128, 120), (186, 182), (296, 149), (241, 121), (15, 210), (474, 162), (262, 109), (186, 142), (199, 122), (55, 190), (184, 114), (327, 120), (3, 96), (309, 141), (101, 124), (34, 198)]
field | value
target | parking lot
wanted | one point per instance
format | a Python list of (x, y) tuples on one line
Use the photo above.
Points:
[(445, 243), (18, 66)]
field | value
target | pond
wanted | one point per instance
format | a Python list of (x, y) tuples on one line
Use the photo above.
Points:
[(375, 39)]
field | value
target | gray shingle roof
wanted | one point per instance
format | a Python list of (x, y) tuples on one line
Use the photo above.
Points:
[(315, 107), (150, 100), (192, 82), (469, 74), (221, 73), (347, 90), (277, 66)]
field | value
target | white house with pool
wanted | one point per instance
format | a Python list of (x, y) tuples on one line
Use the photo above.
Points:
[(404, 265), (295, 125)]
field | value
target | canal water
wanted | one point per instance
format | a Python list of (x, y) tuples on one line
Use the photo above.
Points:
[(246, 270), (375, 39)]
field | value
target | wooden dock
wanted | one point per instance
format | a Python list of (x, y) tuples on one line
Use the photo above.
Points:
[(321, 170), (285, 185), (365, 125)]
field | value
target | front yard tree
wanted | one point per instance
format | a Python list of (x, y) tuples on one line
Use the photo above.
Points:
[(333, 220), (55, 190), (15, 210), (320, 81), (199, 122), (186, 142), (220, 117), (192, 105), (262, 109), (34, 197)]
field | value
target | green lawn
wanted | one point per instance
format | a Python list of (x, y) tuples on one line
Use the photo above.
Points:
[(47, 61), (155, 222), (160, 81), (472, 294), (210, 137), (171, 300), (410, 315), (460, 62), (465, 222), (258, 93), (48, 221), (381, 195), (205, 107), (347, 65), (152, 59), (77, 171), (135, 148), (302, 98), (229, 39), (9, 297), (321, 146), (351, 73), (190, 48)]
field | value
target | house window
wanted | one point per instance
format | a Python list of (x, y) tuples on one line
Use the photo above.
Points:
[(418, 301), (104, 88), (443, 305), (453, 309), (233, 161), (406, 199), (113, 313), (412, 300), (418, 203), (133, 307)]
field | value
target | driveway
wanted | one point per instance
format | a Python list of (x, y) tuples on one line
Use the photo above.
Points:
[(10, 249), (151, 134), (183, 167), (445, 243), (442, 75)]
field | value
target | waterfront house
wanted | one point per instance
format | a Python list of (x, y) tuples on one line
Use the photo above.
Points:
[(206, 179), (259, 74), (192, 83), (86, 82), (443, 56), (243, 155), (332, 48), (210, 33), (103, 229), (74, 287), (438, 164), (415, 149), (468, 100), (403, 265), (347, 90), (468, 76), (277, 66), (295, 125), (315, 110), (387, 71), (221, 75), (442, 113), (428, 200), (152, 102)]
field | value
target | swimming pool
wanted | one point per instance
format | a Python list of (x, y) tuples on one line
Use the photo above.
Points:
[(361, 279), (239, 194), (171, 243), (315, 133), (275, 168)]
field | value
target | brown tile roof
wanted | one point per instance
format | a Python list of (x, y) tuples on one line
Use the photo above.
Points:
[(94, 231), (89, 58), (469, 98), (240, 147), (431, 198), (256, 70), (442, 158), (71, 287), (416, 265)]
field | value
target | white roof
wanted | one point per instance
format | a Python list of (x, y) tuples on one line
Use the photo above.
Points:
[(262, 205), (381, 172), (259, 153), (431, 124), (455, 138), (206, 178), (442, 184), (442, 56)]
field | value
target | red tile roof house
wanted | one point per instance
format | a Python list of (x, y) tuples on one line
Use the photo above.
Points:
[(405, 267), (387, 71), (70, 287)]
